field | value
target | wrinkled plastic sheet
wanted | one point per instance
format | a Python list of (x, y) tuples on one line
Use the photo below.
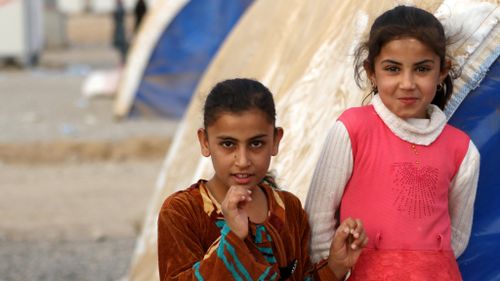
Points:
[(479, 116), (182, 54)]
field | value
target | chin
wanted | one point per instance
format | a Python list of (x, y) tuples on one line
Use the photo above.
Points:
[(404, 114)]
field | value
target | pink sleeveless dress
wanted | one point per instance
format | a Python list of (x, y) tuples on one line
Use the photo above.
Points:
[(400, 192)]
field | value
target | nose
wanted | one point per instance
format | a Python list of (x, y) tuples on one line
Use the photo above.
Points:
[(241, 157), (407, 81)]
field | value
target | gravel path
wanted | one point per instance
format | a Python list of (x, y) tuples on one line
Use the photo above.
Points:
[(75, 221), (65, 260), (74, 183)]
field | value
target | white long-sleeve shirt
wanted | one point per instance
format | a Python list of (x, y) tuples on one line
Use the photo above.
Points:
[(334, 169)]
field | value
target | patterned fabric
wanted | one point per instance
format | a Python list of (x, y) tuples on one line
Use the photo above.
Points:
[(194, 242), (405, 265)]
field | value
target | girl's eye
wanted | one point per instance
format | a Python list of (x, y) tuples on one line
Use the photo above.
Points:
[(227, 144), (423, 69), (256, 144), (392, 68)]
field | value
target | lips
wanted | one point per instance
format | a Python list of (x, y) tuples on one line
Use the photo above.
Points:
[(408, 100), (241, 178)]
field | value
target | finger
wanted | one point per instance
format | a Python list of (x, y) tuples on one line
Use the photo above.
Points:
[(357, 232), (241, 189), (349, 224), (360, 242), (244, 193), (359, 229), (360, 235), (234, 197), (340, 239)]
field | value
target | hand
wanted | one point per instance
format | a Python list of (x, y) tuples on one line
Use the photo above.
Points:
[(233, 209), (347, 244)]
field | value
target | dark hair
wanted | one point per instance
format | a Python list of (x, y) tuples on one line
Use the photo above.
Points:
[(403, 22), (238, 95)]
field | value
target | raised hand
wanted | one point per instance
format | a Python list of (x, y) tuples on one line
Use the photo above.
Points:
[(233, 209), (347, 244)]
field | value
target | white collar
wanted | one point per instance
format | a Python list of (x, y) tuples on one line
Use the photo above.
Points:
[(408, 130)]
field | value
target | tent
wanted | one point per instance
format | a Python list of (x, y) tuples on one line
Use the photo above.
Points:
[(303, 52), (173, 47), (478, 116)]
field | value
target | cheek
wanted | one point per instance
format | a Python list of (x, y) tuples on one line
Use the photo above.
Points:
[(221, 158), (385, 87), (430, 88), (385, 83), (263, 157)]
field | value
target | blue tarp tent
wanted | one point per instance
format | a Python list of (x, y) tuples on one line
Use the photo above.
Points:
[(181, 55), (479, 116)]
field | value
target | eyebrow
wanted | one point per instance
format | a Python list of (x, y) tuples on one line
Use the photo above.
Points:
[(258, 136), (226, 138), (418, 63), (233, 139)]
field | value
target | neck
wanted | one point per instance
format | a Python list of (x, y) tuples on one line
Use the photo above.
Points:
[(218, 191)]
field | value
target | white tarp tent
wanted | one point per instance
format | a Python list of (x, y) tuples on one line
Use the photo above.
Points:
[(302, 50)]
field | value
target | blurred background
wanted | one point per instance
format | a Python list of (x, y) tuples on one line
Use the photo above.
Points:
[(100, 100), (74, 181)]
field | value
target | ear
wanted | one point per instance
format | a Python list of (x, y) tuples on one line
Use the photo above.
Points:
[(203, 139), (278, 134), (370, 73), (445, 71)]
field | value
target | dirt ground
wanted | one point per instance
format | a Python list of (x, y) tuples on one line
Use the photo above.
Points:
[(74, 183), (72, 221)]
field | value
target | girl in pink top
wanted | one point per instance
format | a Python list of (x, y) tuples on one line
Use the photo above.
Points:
[(395, 163)]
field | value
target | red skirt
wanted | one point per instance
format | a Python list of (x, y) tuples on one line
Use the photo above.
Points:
[(399, 265)]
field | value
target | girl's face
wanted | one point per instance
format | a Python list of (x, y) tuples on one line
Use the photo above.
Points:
[(241, 146), (407, 73)]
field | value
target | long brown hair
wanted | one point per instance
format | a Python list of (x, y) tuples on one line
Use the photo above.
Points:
[(406, 22)]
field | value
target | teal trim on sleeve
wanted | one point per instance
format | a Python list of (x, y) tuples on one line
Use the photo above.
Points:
[(220, 223), (266, 273), (224, 247), (197, 273), (259, 230), (266, 250), (271, 260)]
